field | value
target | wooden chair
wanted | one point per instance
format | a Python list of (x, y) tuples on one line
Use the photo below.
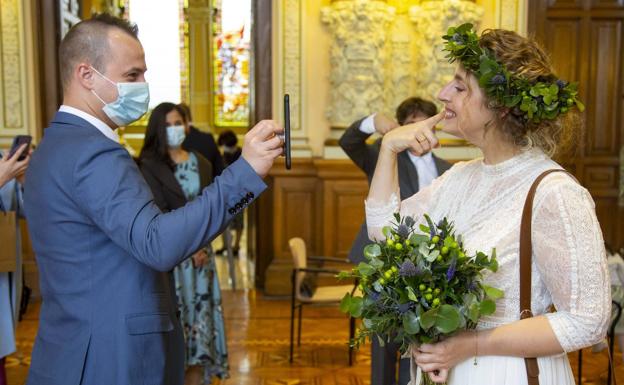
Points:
[(324, 295)]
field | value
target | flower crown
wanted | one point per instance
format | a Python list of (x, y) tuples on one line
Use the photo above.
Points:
[(532, 101)]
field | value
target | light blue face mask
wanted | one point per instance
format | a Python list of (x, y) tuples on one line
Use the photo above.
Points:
[(175, 136), (131, 103)]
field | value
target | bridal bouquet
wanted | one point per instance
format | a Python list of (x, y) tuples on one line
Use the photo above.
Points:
[(419, 286)]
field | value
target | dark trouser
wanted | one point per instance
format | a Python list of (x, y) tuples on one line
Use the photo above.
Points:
[(3, 380), (384, 365)]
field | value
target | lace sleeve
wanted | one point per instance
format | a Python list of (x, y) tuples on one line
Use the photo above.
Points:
[(569, 253), (380, 214)]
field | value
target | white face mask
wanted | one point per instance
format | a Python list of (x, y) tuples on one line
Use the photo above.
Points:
[(175, 136), (130, 105)]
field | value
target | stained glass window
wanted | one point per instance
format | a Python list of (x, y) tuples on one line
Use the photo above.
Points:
[(231, 54)]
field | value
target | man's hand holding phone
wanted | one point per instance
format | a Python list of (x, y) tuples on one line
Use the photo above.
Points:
[(262, 145)]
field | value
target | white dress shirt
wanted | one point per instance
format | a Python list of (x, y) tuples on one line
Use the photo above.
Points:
[(425, 165), (100, 125)]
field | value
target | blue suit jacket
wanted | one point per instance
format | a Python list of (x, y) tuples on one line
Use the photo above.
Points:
[(103, 248)]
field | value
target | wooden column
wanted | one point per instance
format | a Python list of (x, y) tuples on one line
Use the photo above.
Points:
[(200, 40)]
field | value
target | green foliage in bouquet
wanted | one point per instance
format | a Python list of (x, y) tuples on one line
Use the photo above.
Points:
[(418, 287)]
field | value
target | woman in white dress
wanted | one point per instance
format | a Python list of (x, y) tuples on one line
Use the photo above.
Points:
[(484, 198)]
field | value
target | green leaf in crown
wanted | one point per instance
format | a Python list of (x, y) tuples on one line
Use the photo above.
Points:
[(532, 101)]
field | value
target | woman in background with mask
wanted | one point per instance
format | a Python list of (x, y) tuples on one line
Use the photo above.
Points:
[(176, 176)]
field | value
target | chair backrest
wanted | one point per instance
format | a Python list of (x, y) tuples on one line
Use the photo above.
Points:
[(300, 261)]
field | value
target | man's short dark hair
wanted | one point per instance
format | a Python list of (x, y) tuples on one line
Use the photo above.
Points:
[(88, 41), (413, 106)]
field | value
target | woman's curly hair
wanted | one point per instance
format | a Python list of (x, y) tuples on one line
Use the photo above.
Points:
[(525, 58)]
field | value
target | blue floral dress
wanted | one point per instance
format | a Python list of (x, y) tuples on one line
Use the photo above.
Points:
[(199, 296)]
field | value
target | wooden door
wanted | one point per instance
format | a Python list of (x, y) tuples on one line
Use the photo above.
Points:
[(584, 38)]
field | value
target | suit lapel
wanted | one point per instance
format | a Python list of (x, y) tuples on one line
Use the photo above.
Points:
[(441, 165), (408, 176), (168, 179)]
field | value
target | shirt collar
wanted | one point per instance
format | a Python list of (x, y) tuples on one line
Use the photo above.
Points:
[(428, 157), (100, 125)]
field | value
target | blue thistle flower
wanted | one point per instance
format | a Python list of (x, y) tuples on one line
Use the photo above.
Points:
[(375, 296), (403, 231), (561, 84), (404, 308), (408, 269), (498, 79), (409, 221), (457, 38), (450, 273)]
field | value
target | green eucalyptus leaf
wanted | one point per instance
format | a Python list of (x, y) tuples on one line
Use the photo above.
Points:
[(376, 263), (345, 303), (372, 250), (428, 319), (487, 307), (387, 231), (423, 228), (447, 319), (365, 269), (417, 239), (355, 307), (474, 312), (410, 323), (493, 293)]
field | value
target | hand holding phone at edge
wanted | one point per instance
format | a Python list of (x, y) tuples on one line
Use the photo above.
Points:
[(262, 145), (11, 168)]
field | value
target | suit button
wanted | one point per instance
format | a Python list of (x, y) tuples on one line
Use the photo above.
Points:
[(238, 206), (250, 195), (245, 200), (231, 211)]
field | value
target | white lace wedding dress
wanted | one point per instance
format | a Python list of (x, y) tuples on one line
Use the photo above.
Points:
[(569, 263)]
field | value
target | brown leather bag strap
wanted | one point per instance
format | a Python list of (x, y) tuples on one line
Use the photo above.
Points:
[(526, 250)]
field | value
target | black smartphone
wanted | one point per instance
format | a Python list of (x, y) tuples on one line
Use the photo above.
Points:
[(18, 141), (287, 131)]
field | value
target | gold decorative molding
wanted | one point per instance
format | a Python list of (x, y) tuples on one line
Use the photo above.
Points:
[(291, 35), (12, 91), (19, 112)]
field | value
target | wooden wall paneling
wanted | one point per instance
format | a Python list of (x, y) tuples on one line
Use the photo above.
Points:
[(343, 209), (297, 211), (603, 88), (585, 41)]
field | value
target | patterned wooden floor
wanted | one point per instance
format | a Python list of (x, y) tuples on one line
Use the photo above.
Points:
[(257, 330)]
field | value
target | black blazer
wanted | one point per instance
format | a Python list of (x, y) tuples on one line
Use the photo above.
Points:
[(364, 155), (204, 143), (168, 194)]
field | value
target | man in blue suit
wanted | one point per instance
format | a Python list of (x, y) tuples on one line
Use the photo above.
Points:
[(103, 247)]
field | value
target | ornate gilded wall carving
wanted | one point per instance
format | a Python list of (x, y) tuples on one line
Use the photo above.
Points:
[(292, 59), (431, 20), (70, 15), (380, 54), (360, 54)]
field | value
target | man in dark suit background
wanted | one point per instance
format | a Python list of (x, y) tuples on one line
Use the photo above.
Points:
[(202, 142), (415, 172)]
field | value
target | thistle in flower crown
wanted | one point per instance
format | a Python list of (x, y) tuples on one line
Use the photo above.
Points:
[(532, 101)]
